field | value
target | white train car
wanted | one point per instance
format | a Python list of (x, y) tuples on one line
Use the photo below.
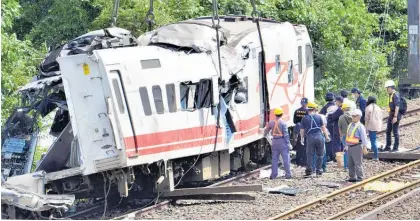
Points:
[(148, 113)]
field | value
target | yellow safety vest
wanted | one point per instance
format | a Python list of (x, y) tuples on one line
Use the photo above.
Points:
[(276, 130), (350, 138), (390, 100)]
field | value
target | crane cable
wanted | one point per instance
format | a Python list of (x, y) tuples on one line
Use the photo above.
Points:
[(150, 17), (381, 28), (216, 25), (264, 89), (115, 13)]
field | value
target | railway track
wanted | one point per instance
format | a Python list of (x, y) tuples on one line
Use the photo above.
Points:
[(407, 117), (154, 204), (343, 203)]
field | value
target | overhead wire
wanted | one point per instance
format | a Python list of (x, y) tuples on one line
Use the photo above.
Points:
[(381, 28)]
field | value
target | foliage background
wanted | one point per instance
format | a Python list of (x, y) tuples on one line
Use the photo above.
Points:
[(350, 47)]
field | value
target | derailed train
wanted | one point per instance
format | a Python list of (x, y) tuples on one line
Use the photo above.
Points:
[(141, 115)]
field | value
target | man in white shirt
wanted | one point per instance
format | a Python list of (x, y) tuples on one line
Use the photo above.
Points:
[(351, 103)]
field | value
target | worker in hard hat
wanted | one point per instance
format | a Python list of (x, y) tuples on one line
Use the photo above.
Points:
[(343, 124), (324, 158), (280, 144), (312, 129), (355, 141), (360, 102), (297, 118), (394, 118)]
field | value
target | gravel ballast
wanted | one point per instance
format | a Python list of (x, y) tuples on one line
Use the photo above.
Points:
[(266, 204)]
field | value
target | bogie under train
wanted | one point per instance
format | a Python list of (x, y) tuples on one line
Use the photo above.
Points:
[(140, 116)]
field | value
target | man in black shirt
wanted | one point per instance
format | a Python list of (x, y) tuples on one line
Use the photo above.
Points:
[(394, 118), (297, 118)]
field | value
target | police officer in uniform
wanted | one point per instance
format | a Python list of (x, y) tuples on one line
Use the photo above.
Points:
[(312, 127), (394, 118), (280, 144), (297, 118)]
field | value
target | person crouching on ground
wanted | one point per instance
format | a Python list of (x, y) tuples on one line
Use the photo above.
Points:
[(373, 122), (280, 145), (312, 127), (355, 141)]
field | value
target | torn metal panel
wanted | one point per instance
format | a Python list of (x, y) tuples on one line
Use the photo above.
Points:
[(31, 201), (57, 155), (40, 84)]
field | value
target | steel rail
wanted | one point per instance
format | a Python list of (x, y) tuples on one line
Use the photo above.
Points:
[(385, 196), (348, 189), (408, 113)]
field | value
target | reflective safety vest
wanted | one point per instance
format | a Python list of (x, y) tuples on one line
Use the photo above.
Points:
[(276, 132), (350, 138), (390, 100)]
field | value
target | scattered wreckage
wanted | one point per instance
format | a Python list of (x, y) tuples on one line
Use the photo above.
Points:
[(140, 116)]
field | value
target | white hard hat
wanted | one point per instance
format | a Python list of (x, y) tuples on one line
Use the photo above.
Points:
[(389, 83), (356, 112)]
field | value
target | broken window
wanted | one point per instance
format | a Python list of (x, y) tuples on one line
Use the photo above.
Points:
[(187, 91), (300, 59), (204, 93), (241, 96), (196, 95), (145, 101), (170, 93), (290, 72), (118, 95), (308, 55), (157, 96)]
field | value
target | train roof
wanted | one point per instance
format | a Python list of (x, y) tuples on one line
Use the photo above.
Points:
[(199, 32)]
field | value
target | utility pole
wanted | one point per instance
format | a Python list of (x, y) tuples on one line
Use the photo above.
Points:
[(412, 82)]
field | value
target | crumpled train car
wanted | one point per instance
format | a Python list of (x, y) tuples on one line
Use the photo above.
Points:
[(140, 116)]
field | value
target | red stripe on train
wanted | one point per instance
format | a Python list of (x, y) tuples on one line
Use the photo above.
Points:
[(172, 147)]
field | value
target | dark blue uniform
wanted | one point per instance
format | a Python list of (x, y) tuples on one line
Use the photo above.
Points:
[(311, 124), (300, 149), (361, 104), (329, 146), (394, 101), (335, 145)]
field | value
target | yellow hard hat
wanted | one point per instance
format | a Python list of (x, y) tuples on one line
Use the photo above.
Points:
[(278, 111), (312, 105), (345, 105)]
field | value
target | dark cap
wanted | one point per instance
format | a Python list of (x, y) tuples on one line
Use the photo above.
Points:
[(355, 90), (329, 96), (344, 93), (304, 101), (339, 98)]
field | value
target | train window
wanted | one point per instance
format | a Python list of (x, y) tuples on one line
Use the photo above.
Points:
[(300, 59), (290, 71), (151, 63), (278, 64), (118, 95), (157, 96), (204, 93), (187, 91), (145, 101), (241, 96), (170, 93), (308, 55)]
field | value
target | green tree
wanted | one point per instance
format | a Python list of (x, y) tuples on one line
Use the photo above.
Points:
[(18, 58)]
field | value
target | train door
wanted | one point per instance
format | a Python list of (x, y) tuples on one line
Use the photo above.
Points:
[(118, 111)]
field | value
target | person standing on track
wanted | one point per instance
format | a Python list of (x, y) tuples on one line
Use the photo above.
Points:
[(297, 118), (312, 129), (333, 114), (394, 118), (355, 141), (280, 145), (360, 102), (373, 118)]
